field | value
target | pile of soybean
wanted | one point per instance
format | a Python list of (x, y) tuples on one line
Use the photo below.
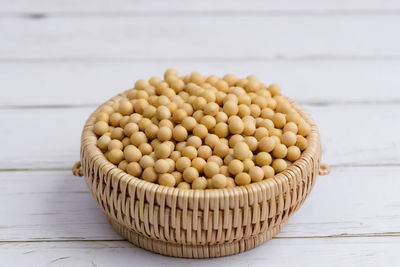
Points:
[(196, 132)]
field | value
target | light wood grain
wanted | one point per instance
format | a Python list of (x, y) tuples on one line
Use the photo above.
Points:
[(92, 82), (123, 6), (284, 252), (76, 54), (54, 205), (39, 127), (50, 137), (214, 37)]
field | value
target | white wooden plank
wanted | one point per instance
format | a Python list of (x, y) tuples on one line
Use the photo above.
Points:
[(50, 205), (54, 205), (92, 6), (169, 38), (51, 141), (350, 201), (50, 138), (279, 252), (77, 83), (347, 131)]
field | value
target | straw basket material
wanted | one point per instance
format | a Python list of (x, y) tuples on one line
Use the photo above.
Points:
[(197, 223)]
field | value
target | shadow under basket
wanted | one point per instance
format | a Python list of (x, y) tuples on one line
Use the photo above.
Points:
[(197, 223)]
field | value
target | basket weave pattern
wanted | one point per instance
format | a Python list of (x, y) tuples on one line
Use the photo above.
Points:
[(197, 223)]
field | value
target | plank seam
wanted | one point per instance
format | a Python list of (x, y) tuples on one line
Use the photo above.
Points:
[(35, 60), (203, 13), (368, 235)]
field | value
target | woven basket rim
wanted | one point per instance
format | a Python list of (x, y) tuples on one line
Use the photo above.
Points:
[(89, 144)]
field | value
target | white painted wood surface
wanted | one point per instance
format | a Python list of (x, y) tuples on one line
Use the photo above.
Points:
[(52, 205), (59, 59), (352, 134), (193, 37), (330, 81), (366, 251), (104, 6)]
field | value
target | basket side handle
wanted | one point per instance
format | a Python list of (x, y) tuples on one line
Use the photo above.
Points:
[(77, 169), (324, 169)]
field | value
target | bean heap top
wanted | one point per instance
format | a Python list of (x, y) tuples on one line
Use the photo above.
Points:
[(194, 132)]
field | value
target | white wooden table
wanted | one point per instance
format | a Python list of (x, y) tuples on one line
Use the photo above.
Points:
[(59, 59)]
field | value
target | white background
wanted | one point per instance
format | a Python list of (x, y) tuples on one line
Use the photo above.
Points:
[(60, 59)]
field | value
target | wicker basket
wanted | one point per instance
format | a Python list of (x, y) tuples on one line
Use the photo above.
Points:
[(197, 223)]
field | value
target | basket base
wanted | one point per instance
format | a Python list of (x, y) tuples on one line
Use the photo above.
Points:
[(194, 251)]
